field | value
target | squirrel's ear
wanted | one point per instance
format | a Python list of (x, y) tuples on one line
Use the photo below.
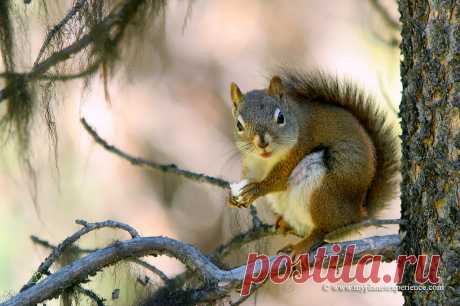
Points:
[(236, 94), (276, 87)]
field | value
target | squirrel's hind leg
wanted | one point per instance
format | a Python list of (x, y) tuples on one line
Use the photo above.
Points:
[(283, 227)]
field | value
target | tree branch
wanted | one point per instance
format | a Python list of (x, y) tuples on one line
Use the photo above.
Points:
[(223, 280), (151, 268), (41, 67), (43, 269), (137, 261), (78, 5), (97, 299), (137, 161)]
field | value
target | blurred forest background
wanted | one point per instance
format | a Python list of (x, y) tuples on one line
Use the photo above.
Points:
[(169, 102)]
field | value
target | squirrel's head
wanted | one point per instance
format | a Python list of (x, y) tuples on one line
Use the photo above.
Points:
[(263, 124)]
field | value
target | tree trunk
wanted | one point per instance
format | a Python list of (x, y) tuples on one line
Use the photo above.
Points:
[(430, 191)]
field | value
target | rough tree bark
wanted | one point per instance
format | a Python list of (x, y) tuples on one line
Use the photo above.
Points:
[(429, 109)]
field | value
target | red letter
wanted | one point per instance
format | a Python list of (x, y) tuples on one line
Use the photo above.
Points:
[(402, 259), (347, 262), (275, 269), (433, 278), (319, 261), (302, 275), (249, 278), (434, 266), (374, 274), (332, 266)]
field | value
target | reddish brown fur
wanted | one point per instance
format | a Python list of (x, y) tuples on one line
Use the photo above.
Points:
[(361, 145), (318, 88), (351, 167)]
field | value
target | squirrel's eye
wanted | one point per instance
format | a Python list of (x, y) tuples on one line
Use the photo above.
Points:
[(239, 124), (279, 117)]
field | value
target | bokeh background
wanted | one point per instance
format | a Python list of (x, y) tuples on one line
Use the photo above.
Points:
[(170, 103)]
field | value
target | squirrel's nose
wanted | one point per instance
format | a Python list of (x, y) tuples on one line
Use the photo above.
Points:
[(260, 142)]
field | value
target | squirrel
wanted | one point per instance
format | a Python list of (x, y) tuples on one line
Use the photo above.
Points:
[(322, 152)]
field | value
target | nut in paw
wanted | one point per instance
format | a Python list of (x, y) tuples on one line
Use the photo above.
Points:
[(250, 192), (236, 202), (232, 201), (243, 193)]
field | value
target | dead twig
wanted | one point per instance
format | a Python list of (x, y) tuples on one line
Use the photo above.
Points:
[(224, 280), (137, 161), (151, 268), (137, 261), (93, 296), (78, 5), (43, 269)]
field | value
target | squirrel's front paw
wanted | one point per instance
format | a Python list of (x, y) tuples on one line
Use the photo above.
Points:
[(242, 194), (233, 201)]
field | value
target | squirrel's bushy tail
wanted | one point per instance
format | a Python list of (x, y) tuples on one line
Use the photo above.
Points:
[(382, 126)]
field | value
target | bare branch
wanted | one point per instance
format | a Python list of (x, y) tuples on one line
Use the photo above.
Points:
[(97, 299), (138, 261), (224, 280), (261, 231), (153, 269), (42, 242), (78, 5), (109, 223), (137, 161), (43, 269), (80, 269), (253, 234), (255, 218), (48, 245)]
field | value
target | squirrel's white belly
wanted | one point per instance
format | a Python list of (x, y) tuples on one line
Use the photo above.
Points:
[(294, 203), (293, 206)]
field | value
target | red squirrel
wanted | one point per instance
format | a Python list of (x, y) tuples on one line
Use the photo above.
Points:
[(323, 153)]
